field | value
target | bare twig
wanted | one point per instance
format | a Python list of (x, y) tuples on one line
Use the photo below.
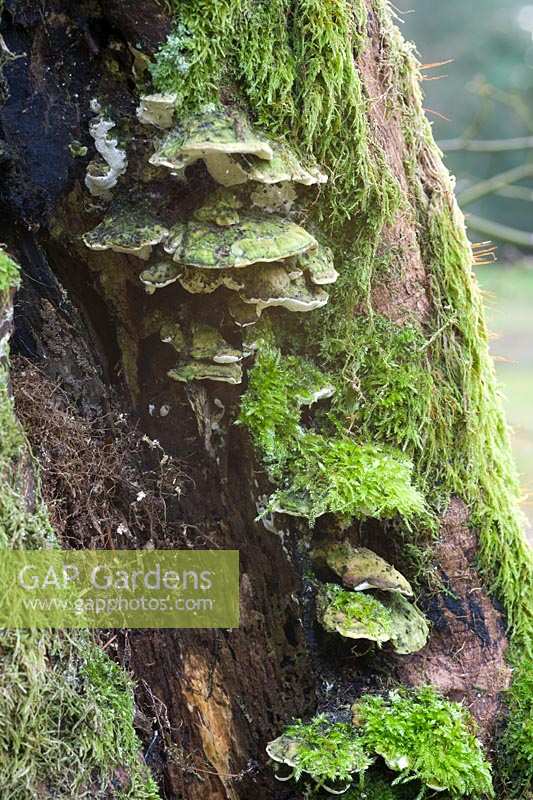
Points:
[(503, 232), (486, 145), (494, 184)]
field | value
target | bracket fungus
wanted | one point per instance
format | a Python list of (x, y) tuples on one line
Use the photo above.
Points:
[(360, 568), (276, 285), (205, 354), (127, 230), (202, 371), (213, 135), (157, 110), (410, 628), (103, 174), (354, 615), (159, 275), (202, 281), (281, 168), (319, 265)]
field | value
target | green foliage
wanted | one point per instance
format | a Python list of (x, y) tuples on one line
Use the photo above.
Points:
[(66, 717), (327, 751), (419, 734), (333, 473), (354, 480), (9, 272), (388, 386), (423, 736)]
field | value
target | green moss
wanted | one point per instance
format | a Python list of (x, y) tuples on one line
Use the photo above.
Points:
[(352, 613), (388, 386), (426, 739), (327, 751), (423, 736), (515, 748), (324, 471), (9, 273), (66, 718)]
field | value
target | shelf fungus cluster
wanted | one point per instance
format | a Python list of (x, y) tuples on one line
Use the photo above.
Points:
[(386, 616), (245, 239), (205, 356)]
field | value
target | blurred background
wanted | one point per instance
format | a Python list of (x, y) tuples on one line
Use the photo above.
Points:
[(481, 106)]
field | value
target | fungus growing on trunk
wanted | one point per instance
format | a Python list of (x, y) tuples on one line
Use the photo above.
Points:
[(132, 230), (360, 568)]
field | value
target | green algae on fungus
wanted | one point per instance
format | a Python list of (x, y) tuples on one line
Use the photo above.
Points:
[(423, 736), (254, 239), (328, 752), (132, 230), (353, 615)]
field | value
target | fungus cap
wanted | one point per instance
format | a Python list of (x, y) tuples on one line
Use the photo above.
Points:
[(127, 230), (360, 568), (254, 239), (353, 615), (157, 109), (159, 275)]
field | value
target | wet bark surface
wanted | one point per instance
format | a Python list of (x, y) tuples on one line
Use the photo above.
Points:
[(208, 701)]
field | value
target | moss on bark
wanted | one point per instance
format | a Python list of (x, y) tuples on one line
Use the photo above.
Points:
[(66, 710)]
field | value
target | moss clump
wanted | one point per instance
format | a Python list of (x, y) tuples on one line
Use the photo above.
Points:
[(515, 747), (66, 716), (327, 752), (9, 273), (327, 472), (388, 386), (419, 734), (425, 737), (299, 79)]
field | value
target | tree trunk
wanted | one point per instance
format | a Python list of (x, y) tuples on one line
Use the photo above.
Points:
[(402, 338)]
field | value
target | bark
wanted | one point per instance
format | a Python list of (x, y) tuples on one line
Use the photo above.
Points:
[(208, 701)]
